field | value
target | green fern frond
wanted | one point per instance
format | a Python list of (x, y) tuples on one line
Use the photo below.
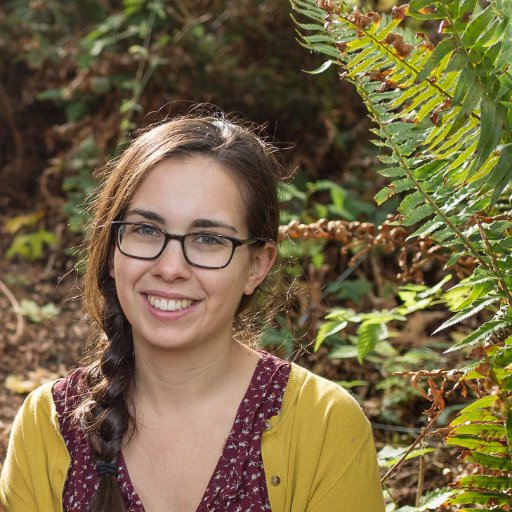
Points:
[(443, 121)]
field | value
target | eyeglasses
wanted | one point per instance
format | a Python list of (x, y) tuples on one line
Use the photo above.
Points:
[(202, 249)]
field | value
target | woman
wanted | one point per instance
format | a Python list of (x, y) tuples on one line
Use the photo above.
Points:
[(177, 412)]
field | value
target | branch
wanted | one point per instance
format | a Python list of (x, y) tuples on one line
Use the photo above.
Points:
[(501, 282), (418, 440), (16, 307)]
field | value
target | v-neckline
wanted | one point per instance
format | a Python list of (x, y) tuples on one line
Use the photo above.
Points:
[(134, 497)]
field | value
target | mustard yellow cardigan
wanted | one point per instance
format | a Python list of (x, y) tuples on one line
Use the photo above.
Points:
[(318, 454)]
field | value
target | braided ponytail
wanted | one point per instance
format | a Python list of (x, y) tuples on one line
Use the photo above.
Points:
[(105, 415)]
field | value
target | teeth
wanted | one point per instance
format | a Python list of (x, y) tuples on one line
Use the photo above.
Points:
[(168, 305)]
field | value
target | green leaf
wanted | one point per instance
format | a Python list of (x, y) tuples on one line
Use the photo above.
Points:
[(393, 172), (477, 25), (478, 405), (418, 214), (489, 461), (428, 228), (490, 132), (369, 334), (440, 52), (490, 483), (478, 444), (344, 352), (475, 308), (485, 430), (500, 175), (326, 49), (508, 427), (480, 335), (325, 66), (411, 201), (480, 498), (390, 455), (383, 195), (479, 415), (328, 329)]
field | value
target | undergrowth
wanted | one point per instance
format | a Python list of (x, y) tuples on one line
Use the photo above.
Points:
[(443, 119)]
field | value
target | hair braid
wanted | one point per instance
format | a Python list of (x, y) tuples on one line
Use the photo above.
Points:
[(105, 415)]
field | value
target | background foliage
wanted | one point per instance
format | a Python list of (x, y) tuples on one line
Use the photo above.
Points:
[(443, 119), (78, 78)]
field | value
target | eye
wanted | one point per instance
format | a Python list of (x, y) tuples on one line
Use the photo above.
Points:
[(209, 240), (142, 230)]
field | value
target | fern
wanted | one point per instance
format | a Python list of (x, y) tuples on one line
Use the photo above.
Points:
[(443, 119)]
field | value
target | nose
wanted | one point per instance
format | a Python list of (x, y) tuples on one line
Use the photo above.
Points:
[(171, 264)]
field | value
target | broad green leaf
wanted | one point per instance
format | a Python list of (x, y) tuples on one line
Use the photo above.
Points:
[(344, 352), (411, 201), (490, 132), (369, 334), (508, 428), (479, 415), (485, 430), (428, 228), (328, 329), (477, 25), (393, 172)]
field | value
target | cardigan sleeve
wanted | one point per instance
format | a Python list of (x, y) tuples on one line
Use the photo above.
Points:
[(347, 474), (357, 488), (36, 464)]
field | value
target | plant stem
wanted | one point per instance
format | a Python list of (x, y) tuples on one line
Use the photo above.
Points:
[(494, 263), (20, 325), (421, 480), (418, 440)]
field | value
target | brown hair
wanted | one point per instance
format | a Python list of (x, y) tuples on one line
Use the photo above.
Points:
[(105, 413)]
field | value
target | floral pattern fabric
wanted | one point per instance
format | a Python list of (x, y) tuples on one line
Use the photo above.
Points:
[(238, 481)]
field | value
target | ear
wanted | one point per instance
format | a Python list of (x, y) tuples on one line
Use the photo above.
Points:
[(262, 260)]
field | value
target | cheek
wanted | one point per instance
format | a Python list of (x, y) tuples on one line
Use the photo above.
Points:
[(126, 270)]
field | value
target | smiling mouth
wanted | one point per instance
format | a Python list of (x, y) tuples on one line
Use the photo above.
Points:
[(169, 304)]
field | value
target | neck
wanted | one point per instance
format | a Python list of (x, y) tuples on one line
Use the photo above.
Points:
[(176, 380)]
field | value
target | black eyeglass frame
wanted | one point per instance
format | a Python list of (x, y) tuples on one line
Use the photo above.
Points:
[(235, 242)]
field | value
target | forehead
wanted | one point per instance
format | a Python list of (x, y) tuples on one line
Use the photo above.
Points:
[(184, 189)]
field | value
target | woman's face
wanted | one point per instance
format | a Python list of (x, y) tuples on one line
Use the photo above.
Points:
[(169, 303)]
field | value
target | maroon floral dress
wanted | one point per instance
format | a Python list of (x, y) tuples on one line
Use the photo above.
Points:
[(238, 482)]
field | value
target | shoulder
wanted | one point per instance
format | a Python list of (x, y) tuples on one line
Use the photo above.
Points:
[(36, 422), (316, 400), (42, 406), (38, 405)]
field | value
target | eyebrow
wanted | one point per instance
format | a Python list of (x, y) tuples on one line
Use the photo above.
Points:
[(147, 214), (197, 223), (211, 223)]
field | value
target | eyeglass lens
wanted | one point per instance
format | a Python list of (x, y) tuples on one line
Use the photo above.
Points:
[(204, 249)]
